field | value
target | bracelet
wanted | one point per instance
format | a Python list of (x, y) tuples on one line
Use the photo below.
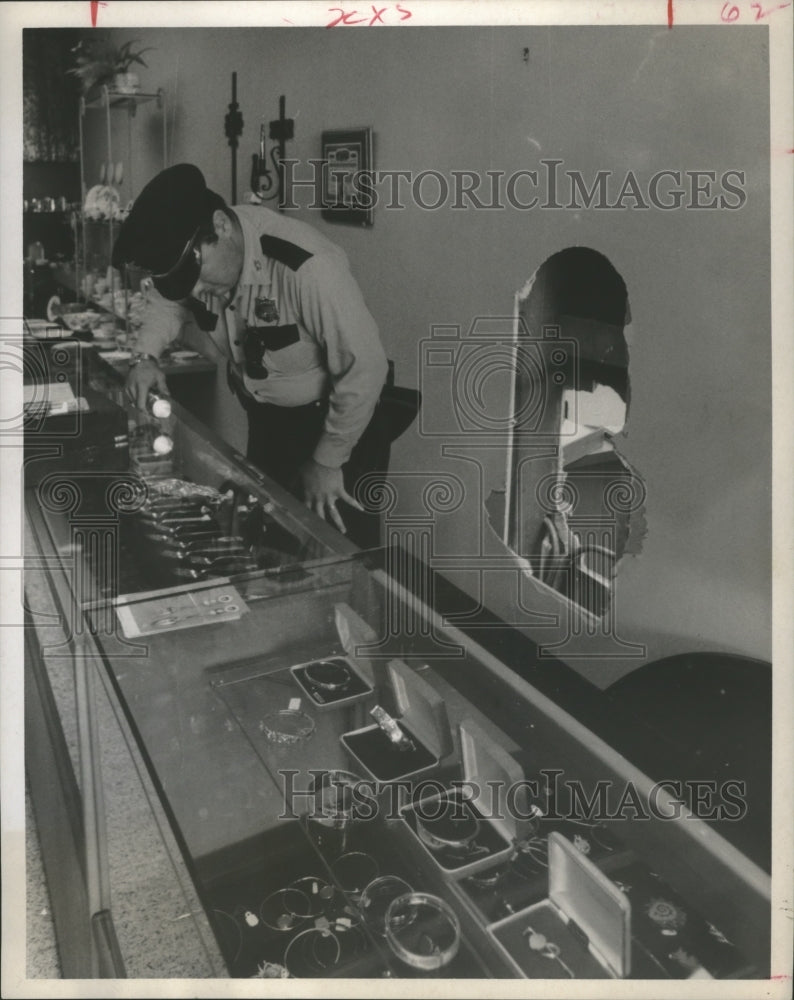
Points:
[(138, 357)]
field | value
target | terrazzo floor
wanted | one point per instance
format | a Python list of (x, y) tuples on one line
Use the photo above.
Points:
[(41, 951), (161, 927)]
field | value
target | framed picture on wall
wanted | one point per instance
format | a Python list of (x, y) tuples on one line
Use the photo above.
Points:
[(347, 171)]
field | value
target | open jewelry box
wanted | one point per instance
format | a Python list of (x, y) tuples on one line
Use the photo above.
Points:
[(474, 824), (581, 931), (331, 681), (421, 722)]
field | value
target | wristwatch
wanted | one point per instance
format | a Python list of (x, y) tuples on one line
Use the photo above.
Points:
[(139, 356)]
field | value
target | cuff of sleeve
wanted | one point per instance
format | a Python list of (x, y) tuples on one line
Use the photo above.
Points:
[(331, 453), (149, 345), (139, 356)]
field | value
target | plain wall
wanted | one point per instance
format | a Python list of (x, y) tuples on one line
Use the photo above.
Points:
[(642, 99)]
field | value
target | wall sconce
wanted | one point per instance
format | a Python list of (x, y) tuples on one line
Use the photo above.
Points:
[(267, 184)]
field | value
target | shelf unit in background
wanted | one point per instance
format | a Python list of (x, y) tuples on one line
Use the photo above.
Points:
[(97, 236)]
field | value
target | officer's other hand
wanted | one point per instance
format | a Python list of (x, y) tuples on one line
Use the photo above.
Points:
[(323, 487), (142, 377)]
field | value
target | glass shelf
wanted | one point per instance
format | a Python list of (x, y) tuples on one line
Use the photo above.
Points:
[(96, 236), (114, 99)]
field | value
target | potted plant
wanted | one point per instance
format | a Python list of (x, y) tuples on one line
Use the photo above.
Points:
[(100, 62)]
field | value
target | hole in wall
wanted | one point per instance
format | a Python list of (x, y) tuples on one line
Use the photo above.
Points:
[(572, 506)]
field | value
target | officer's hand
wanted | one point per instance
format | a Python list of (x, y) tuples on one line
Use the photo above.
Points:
[(142, 377), (322, 488)]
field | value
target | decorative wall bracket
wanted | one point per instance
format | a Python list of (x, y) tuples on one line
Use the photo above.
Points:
[(267, 184)]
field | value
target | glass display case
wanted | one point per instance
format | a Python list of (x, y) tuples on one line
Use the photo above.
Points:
[(341, 782)]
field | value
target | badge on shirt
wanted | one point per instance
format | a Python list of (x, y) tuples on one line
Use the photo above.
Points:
[(266, 310)]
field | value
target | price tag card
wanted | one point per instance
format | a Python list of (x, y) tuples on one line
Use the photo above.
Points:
[(185, 609)]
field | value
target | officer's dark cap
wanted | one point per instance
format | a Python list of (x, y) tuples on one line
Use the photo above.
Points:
[(162, 229)]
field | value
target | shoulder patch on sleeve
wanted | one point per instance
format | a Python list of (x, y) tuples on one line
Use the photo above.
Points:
[(281, 250)]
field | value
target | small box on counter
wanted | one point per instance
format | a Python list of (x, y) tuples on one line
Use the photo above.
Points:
[(475, 823), (331, 682), (411, 744), (581, 931)]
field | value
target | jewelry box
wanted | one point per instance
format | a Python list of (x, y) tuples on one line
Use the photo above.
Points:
[(331, 681), (474, 824), (412, 743), (582, 930)]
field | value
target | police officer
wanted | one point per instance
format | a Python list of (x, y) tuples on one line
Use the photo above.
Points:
[(305, 358)]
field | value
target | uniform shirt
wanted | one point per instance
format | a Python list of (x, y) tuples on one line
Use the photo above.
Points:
[(295, 287)]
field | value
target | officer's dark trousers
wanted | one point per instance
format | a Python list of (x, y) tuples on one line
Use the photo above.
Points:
[(282, 438)]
